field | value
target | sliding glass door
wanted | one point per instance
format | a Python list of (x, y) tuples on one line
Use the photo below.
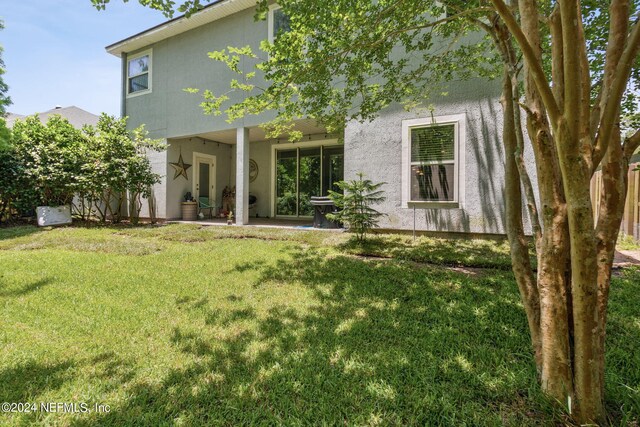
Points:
[(308, 179), (302, 173)]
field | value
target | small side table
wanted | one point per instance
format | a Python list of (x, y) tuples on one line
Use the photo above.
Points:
[(189, 211)]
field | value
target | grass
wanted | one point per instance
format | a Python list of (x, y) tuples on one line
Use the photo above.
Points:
[(183, 325), (627, 243)]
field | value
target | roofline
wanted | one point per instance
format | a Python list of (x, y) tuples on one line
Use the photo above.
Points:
[(113, 48)]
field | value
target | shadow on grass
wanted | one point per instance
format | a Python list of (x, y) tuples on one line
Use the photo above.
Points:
[(26, 381), (623, 348), (376, 342), (12, 232), (451, 252), (27, 289)]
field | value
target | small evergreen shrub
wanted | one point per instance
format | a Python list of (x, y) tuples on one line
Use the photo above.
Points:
[(355, 205)]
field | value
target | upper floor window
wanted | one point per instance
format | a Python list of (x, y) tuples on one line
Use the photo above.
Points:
[(432, 160), (139, 73), (279, 22)]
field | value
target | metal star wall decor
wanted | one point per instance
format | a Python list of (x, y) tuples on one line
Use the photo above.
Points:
[(180, 168)]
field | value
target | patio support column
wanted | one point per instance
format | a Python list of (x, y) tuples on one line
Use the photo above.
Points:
[(242, 176)]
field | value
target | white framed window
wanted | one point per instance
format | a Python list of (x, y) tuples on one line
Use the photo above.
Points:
[(139, 73), (278, 22), (433, 161)]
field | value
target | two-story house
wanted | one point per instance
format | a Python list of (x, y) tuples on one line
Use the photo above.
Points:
[(443, 170)]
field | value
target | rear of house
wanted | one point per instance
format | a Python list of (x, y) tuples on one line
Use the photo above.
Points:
[(443, 169)]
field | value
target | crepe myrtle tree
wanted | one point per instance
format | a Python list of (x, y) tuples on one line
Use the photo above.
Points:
[(569, 69), (116, 166)]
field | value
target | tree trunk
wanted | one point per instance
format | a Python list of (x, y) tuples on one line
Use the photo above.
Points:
[(518, 243), (589, 389), (554, 307), (611, 209)]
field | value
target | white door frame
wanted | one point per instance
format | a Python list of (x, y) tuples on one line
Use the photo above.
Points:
[(212, 175)]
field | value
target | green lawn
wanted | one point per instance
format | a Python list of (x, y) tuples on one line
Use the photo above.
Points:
[(182, 325)]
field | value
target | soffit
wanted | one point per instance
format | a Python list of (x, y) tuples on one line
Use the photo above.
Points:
[(211, 13)]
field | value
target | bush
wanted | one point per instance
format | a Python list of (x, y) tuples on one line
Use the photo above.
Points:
[(116, 167), (11, 177), (355, 204), (51, 158), (54, 163), (5, 135)]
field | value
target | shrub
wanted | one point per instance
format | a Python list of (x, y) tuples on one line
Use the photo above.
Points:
[(51, 156), (116, 167), (52, 164), (354, 205), (11, 181), (5, 135)]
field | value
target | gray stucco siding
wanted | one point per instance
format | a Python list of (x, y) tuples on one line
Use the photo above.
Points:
[(375, 149), (177, 188), (174, 190), (182, 62), (158, 162)]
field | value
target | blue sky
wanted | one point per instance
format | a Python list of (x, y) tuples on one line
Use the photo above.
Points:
[(54, 52)]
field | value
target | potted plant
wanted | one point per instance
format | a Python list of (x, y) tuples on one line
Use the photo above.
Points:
[(230, 218)]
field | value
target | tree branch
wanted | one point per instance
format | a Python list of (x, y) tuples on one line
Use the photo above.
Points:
[(618, 28), (619, 85), (571, 64), (534, 65), (557, 69), (631, 144)]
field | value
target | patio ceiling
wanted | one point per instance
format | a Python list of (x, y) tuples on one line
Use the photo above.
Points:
[(228, 136)]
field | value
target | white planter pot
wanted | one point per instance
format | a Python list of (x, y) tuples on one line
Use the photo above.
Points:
[(53, 215)]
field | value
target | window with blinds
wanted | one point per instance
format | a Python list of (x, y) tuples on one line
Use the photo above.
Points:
[(139, 73), (433, 150)]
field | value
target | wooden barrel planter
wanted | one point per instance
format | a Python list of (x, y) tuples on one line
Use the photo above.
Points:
[(189, 211)]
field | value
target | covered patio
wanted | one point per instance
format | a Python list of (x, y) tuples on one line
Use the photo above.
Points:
[(264, 182), (258, 222)]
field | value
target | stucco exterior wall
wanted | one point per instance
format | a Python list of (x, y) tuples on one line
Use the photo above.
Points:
[(375, 149), (261, 187), (172, 191), (182, 62), (177, 188), (158, 165)]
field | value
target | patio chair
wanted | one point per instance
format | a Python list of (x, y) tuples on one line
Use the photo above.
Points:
[(204, 204)]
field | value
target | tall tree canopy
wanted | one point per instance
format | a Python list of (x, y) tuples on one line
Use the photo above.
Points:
[(5, 101), (569, 70)]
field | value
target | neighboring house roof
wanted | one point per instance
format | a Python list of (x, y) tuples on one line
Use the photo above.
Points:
[(76, 116), (214, 11), (11, 117)]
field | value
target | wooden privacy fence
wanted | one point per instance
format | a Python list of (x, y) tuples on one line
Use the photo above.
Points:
[(631, 219)]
